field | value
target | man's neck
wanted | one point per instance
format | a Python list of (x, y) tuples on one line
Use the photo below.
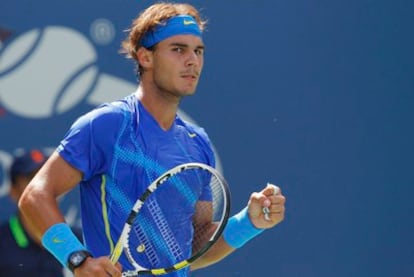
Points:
[(163, 109)]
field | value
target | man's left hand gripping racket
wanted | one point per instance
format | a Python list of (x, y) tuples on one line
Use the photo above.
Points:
[(175, 221)]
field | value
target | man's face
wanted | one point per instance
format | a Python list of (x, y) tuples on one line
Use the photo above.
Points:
[(177, 64), (21, 182)]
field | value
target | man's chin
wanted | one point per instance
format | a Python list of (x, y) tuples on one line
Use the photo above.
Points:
[(188, 92)]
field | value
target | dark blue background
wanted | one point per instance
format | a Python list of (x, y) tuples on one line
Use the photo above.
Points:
[(316, 96)]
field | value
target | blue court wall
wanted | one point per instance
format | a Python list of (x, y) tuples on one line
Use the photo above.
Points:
[(316, 96)]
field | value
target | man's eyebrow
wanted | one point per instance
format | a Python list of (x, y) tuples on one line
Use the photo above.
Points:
[(184, 45)]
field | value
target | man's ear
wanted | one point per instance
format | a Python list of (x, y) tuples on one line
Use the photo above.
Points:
[(144, 57), (17, 188), (15, 193)]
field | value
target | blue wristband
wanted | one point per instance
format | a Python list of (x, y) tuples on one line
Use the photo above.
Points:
[(239, 230), (61, 242)]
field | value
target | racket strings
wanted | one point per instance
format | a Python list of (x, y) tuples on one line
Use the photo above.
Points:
[(182, 214), (163, 211), (204, 231), (154, 244), (144, 245), (166, 234)]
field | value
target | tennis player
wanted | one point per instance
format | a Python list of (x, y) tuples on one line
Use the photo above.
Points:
[(117, 149)]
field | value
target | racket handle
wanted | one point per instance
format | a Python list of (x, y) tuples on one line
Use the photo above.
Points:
[(116, 253)]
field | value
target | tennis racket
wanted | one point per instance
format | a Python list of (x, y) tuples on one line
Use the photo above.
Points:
[(175, 221)]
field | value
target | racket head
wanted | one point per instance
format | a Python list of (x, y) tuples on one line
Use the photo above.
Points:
[(175, 221)]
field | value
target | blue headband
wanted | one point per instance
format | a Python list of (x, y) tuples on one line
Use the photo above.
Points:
[(177, 25)]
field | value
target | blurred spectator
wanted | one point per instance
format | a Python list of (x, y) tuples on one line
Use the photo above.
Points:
[(21, 254)]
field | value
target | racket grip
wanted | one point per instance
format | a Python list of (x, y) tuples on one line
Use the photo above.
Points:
[(116, 253)]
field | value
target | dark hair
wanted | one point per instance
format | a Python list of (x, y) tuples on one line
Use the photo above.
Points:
[(149, 19)]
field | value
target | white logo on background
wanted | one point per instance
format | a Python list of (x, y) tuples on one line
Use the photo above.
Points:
[(45, 72)]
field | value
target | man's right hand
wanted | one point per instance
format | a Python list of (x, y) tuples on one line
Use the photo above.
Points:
[(98, 267)]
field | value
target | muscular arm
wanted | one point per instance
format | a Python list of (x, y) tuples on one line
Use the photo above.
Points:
[(270, 197), (216, 253), (38, 203), (203, 220)]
